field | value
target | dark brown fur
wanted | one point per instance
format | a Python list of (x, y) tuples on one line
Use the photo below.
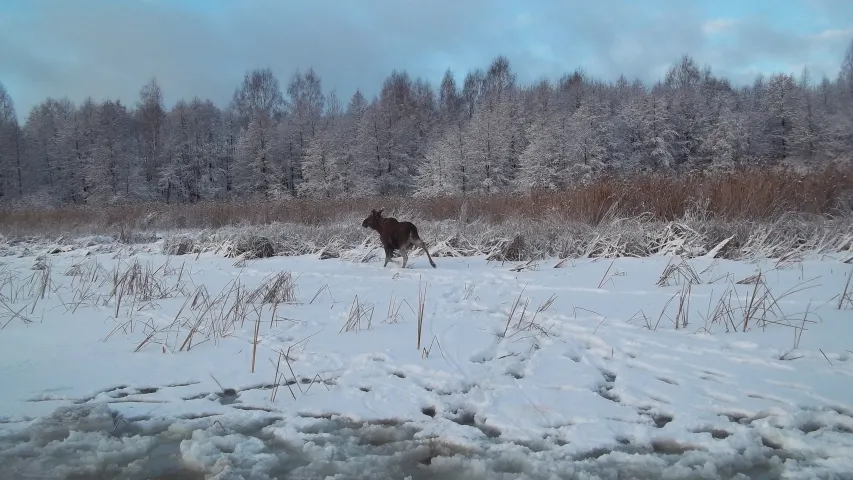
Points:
[(395, 235)]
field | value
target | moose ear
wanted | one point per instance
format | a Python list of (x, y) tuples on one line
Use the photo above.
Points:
[(380, 210)]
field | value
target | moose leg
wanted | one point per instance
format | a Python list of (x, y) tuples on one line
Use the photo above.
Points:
[(404, 252), (422, 245), (388, 252)]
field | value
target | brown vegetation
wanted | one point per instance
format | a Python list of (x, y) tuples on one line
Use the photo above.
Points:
[(750, 193)]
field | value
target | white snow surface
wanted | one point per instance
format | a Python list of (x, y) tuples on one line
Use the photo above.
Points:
[(597, 384)]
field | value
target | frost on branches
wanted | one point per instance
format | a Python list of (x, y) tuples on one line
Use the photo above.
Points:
[(487, 133)]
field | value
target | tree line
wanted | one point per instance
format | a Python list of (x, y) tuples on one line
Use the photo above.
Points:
[(489, 134)]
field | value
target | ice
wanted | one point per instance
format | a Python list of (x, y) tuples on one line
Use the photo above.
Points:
[(135, 364)]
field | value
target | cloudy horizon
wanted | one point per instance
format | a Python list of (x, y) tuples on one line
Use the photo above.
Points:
[(109, 50)]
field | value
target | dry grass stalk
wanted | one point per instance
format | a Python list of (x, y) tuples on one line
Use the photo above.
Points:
[(824, 356), (511, 250), (677, 272), (545, 305), (146, 340), (288, 358), (393, 315), (426, 351), (421, 303), (210, 317), (802, 286), (144, 284), (640, 315), (599, 325), (751, 280), (663, 311), (512, 311), (759, 307), (290, 367), (798, 335), (239, 307), (526, 266), (789, 258), (255, 340), (195, 326), (276, 288), (562, 263), (604, 277), (847, 294), (317, 379), (326, 288), (358, 314), (83, 290), (273, 318), (468, 290), (200, 297), (277, 379), (681, 317), (12, 314), (722, 313)]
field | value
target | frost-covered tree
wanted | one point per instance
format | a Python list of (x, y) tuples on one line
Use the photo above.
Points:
[(545, 128), (780, 105), (447, 168), (681, 87), (50, 133), (480, 131), (151, 121), (645, 132), (659, 133), (194, 170), (449, 100), (545, 161), (588, 139), (393, 126), (494, 134), (112, 167), (488, 143), (845, 75), (259, 106), (174, 173), (259, 94), (353, 175), (810, 133), (256, 170), (11, 179), (305, 115), (321, 164), (722, 141), (471, 92)]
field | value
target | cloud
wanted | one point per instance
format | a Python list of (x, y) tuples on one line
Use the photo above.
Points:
[(716, 26), (835, 34), (109, 49)]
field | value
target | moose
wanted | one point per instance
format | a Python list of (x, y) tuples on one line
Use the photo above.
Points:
[(395, 235)]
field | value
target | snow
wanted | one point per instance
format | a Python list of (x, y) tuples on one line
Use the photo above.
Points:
[(523, 371)]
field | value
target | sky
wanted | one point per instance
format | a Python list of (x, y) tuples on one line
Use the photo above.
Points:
[(109, 49)]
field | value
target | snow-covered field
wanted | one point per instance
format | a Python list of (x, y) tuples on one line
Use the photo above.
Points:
[(122, 362)]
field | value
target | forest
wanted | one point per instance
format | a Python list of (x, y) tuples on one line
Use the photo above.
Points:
[(486, 134)]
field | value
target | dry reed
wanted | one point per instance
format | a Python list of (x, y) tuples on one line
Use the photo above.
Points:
[(756, 193)]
